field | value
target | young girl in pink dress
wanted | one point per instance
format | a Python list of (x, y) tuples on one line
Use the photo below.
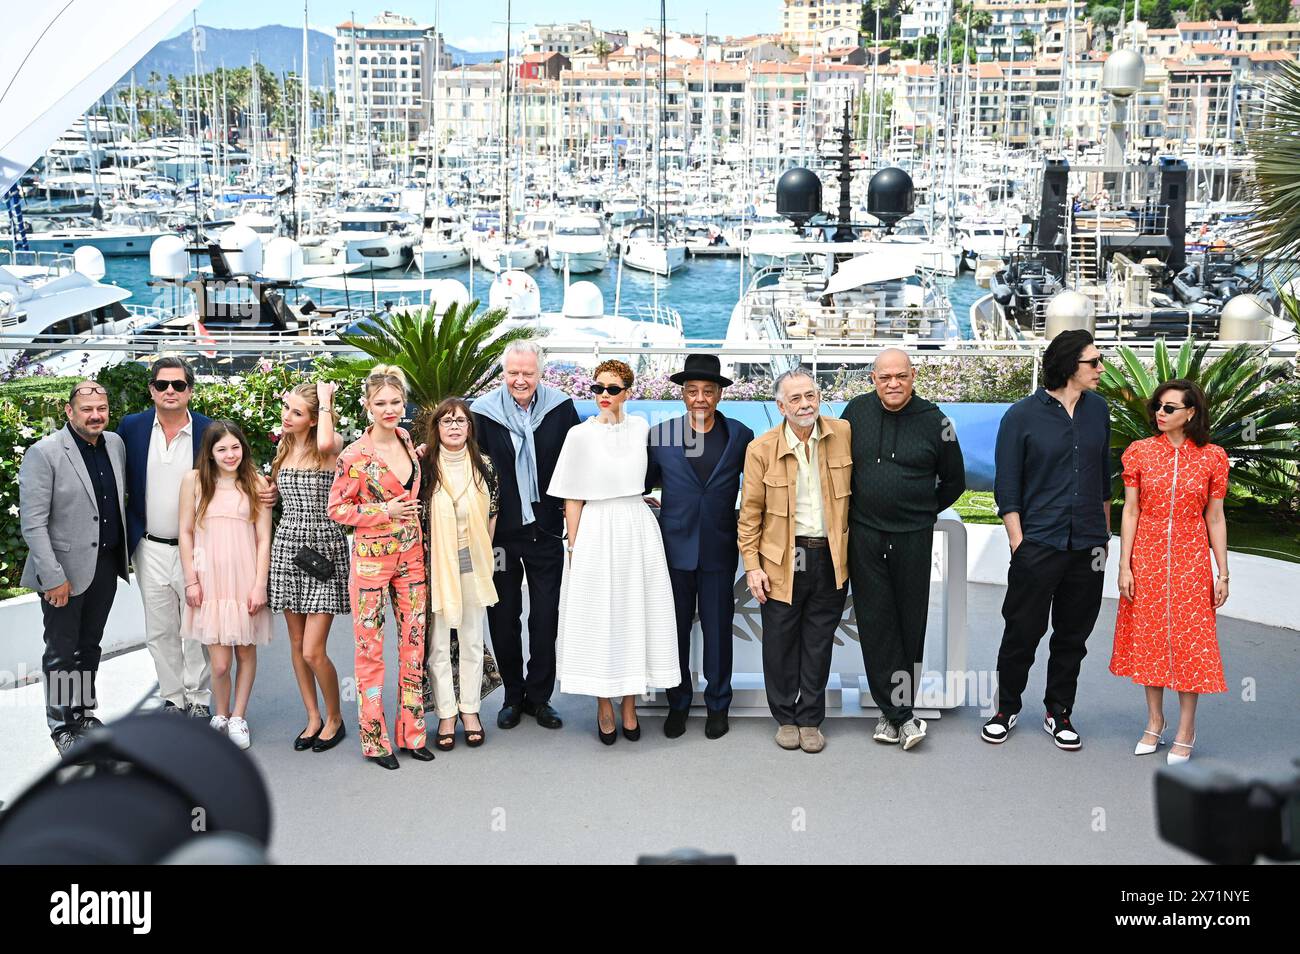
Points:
[(225, 535)]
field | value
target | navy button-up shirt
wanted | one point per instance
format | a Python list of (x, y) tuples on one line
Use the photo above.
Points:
[(1054, 470), (105, 483)]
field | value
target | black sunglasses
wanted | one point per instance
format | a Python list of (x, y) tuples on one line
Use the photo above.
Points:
[(613, 390), (1170, 408), (179, 386), (1096, 362)]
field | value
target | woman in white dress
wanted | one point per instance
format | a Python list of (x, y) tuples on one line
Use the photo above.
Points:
[(617, 633)]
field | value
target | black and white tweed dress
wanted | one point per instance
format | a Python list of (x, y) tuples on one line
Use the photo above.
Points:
[(304, 495)]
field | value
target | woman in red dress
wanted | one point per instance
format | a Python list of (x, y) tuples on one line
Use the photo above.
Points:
[(1174, 485)]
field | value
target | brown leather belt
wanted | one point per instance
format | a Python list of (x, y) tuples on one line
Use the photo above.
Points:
[(811, 543)]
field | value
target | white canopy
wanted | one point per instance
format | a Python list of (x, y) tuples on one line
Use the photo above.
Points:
[(882, 265), (56, 59)]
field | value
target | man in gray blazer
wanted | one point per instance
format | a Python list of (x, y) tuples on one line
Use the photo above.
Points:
[(70, 492)]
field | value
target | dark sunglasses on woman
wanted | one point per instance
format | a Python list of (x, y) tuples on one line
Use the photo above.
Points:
[(178, 386), (613, 390), (1170, 408)]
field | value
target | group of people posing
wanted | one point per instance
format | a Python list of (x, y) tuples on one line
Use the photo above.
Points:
[(514, 487)]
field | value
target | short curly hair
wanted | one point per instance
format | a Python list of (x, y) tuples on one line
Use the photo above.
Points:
[(620, 368)]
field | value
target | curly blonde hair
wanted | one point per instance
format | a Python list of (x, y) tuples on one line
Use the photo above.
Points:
[(619, 368)]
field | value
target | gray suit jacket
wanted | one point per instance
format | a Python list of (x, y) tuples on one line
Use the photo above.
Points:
[(59, 512)]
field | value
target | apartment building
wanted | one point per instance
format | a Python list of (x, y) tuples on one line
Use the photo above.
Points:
[(1198, 103), (1009, 21), (566, 38), (922, 18), (383, 72), (803, 20)]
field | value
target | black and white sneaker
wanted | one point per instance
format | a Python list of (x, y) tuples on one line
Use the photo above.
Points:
[(998, 728), (1062, 732)]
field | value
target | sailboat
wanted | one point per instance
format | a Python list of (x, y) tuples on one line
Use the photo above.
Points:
[(441, 244), (650, 248), (506, 251)]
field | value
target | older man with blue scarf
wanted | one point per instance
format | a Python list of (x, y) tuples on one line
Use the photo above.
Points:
[(521, 426)]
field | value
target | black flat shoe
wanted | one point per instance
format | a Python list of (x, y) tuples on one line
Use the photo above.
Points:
[(675, 724), (422, 754), (385, 761), (509, 717), (545, 715), (324, 745), (304, 742)]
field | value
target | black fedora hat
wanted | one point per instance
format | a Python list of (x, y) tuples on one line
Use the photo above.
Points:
[(701, 367)]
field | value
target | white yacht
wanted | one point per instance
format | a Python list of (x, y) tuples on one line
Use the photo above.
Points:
[(442, 245), (578, 243), (127, 232), (60, 300), (581, 333), (841, 293), (376, 239), (646, 251)]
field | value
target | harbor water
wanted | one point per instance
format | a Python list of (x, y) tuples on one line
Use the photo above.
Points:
[(704, 292)]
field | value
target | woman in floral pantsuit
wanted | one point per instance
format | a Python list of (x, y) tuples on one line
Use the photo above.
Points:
[(376, 485)]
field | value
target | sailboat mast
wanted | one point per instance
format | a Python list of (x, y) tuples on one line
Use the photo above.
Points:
[(663, 109), (305, 143), (505, 140)]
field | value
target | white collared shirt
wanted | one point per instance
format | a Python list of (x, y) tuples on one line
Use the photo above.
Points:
[(808, 520), (168, 465)]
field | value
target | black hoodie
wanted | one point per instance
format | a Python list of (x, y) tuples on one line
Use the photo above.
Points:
[(907, 464)]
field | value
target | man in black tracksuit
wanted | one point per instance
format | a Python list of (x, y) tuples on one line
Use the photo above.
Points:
[(907, 468)]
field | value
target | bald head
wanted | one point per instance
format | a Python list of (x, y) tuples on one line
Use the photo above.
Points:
[(87, 409), (893, 377)]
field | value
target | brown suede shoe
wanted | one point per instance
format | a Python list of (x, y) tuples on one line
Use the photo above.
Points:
[(811, 739), (788, 737)]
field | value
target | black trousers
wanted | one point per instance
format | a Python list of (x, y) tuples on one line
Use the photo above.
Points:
[(890, 573), (1065, 584), (713, 592), (73, 633), (540, 556), (798, 638)]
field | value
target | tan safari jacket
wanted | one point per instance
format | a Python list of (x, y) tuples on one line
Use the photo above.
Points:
[(766, 527)]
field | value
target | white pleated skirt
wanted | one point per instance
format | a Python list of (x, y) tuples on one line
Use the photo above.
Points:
[(618, 631)]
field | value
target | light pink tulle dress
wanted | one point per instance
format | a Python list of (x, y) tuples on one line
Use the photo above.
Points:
[(225, 562)]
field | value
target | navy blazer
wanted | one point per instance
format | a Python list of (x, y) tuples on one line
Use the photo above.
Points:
[(135, 431), (688, 506)]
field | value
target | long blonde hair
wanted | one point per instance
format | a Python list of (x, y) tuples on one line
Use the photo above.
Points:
[(245, 476), (307, 392)]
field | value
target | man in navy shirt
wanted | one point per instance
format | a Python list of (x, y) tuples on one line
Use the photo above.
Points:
[(1052, 488)]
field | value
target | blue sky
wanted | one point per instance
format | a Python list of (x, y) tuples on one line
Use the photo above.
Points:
[(481, 25)]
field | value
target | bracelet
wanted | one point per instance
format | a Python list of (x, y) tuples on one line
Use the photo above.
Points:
[(1224, 577)]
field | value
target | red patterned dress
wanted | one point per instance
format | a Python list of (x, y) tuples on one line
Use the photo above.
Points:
[(1165, 635)]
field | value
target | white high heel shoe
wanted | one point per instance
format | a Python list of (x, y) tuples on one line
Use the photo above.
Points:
[(1146, 748), (1175, 758)]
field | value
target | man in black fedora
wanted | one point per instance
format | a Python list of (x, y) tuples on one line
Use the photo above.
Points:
[(698, 459)]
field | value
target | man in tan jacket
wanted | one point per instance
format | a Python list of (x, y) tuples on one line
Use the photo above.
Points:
[(793, 535)]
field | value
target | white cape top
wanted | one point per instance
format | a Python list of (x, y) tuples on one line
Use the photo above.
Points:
[(602, 461)]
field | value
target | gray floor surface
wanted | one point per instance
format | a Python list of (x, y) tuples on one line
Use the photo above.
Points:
[(532, 795)]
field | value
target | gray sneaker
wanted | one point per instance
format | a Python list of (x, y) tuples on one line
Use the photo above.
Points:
[(885, 732), (911, 732), (198, 711)]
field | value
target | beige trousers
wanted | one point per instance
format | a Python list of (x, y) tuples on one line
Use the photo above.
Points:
[(184, 676), (469, 636)]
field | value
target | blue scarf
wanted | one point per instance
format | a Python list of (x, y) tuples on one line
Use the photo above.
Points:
[(499, 406)]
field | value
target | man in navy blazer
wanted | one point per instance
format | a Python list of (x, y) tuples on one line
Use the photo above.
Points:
[(698, 460), (162, 445)]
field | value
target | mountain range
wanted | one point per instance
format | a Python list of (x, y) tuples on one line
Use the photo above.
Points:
[(278, 48)]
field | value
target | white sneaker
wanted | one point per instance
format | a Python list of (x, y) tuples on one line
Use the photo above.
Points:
[(238, 733), (911, 732), (219, 722)]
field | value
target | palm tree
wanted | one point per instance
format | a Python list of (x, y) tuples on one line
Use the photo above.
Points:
[(602, 48), (1253, 405), (1274, 232), (456, 355)]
